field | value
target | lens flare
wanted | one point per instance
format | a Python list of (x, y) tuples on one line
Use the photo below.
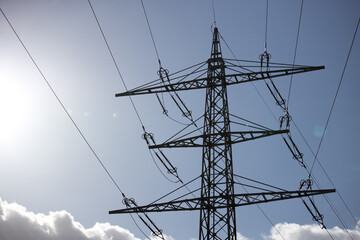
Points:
[(319, 131)]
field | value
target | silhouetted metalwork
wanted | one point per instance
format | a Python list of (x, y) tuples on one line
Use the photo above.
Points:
[(221, 201), (149, 139), (234, 137), (231, 79), (129, 202), (297, 155), (218, 200)]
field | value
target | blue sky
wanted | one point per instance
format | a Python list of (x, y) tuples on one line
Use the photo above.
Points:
[(46, 166)]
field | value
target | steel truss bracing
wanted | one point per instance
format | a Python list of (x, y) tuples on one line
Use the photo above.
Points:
[(218, 200), (217, 167), (239, 200), (234, 137), (231, 79)]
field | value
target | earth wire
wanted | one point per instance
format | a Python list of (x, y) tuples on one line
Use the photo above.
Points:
[(62, 105)]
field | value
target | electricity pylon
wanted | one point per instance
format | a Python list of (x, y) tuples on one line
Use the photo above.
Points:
[(218, 200)]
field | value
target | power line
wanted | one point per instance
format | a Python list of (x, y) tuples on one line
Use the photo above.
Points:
[(262, 98), (322, 167), (137, 114), (175, 99), (180, 104), (265, 215), (327, 199), (328, 119), (296, 46), (266, 24), (157, 166), (67, 113), (315, 155), (62, 105), (152, 36), (333, 208), (214, 150), (336, 94), (116, 66), (137, 225), (123, 81), (213, 10)]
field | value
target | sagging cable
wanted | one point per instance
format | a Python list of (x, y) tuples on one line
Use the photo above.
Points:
[(165, 112), (155, 231), (286, 118), (297, 155), (285, 124), (265, 60), (310, 206), (280, 101), (164, 76), (150, 140)]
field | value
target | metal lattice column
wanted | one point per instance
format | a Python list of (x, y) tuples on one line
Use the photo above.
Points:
[(217, 167)]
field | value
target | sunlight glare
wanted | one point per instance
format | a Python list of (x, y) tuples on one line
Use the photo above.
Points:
[(15, 106)]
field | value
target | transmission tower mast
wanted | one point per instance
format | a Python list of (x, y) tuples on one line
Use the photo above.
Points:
[(218, 200), (217, 165)]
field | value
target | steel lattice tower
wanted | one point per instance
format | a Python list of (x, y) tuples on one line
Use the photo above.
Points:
[(218, 200), (217, 166)]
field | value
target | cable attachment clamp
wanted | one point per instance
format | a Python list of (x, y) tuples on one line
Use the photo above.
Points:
[(165, 79), (285, 121), (306, 183), (310, 204), (150, 141), (155, 231), (265, 56)]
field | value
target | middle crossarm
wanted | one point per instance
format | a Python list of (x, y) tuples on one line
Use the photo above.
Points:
[(236, 137)]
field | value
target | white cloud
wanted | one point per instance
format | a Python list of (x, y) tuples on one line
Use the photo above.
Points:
[(167, 237), (295, 231), (241, 237), (18, 223)]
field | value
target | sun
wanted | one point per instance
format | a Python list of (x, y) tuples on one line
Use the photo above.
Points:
[(15, 106)]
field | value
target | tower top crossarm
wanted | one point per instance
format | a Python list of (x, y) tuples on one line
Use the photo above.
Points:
[(231, 79), (235, 77), (238, 71)]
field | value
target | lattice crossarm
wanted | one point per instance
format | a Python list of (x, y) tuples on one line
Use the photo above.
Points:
[(218, 201), (231, 79), (236, 136)]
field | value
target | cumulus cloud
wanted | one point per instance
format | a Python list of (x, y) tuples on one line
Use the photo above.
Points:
[(167, 237), (295, 231), (241, 237), (16, 222)]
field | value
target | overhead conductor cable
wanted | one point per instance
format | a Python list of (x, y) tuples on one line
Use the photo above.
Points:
[(149, 223), (164, 76)]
